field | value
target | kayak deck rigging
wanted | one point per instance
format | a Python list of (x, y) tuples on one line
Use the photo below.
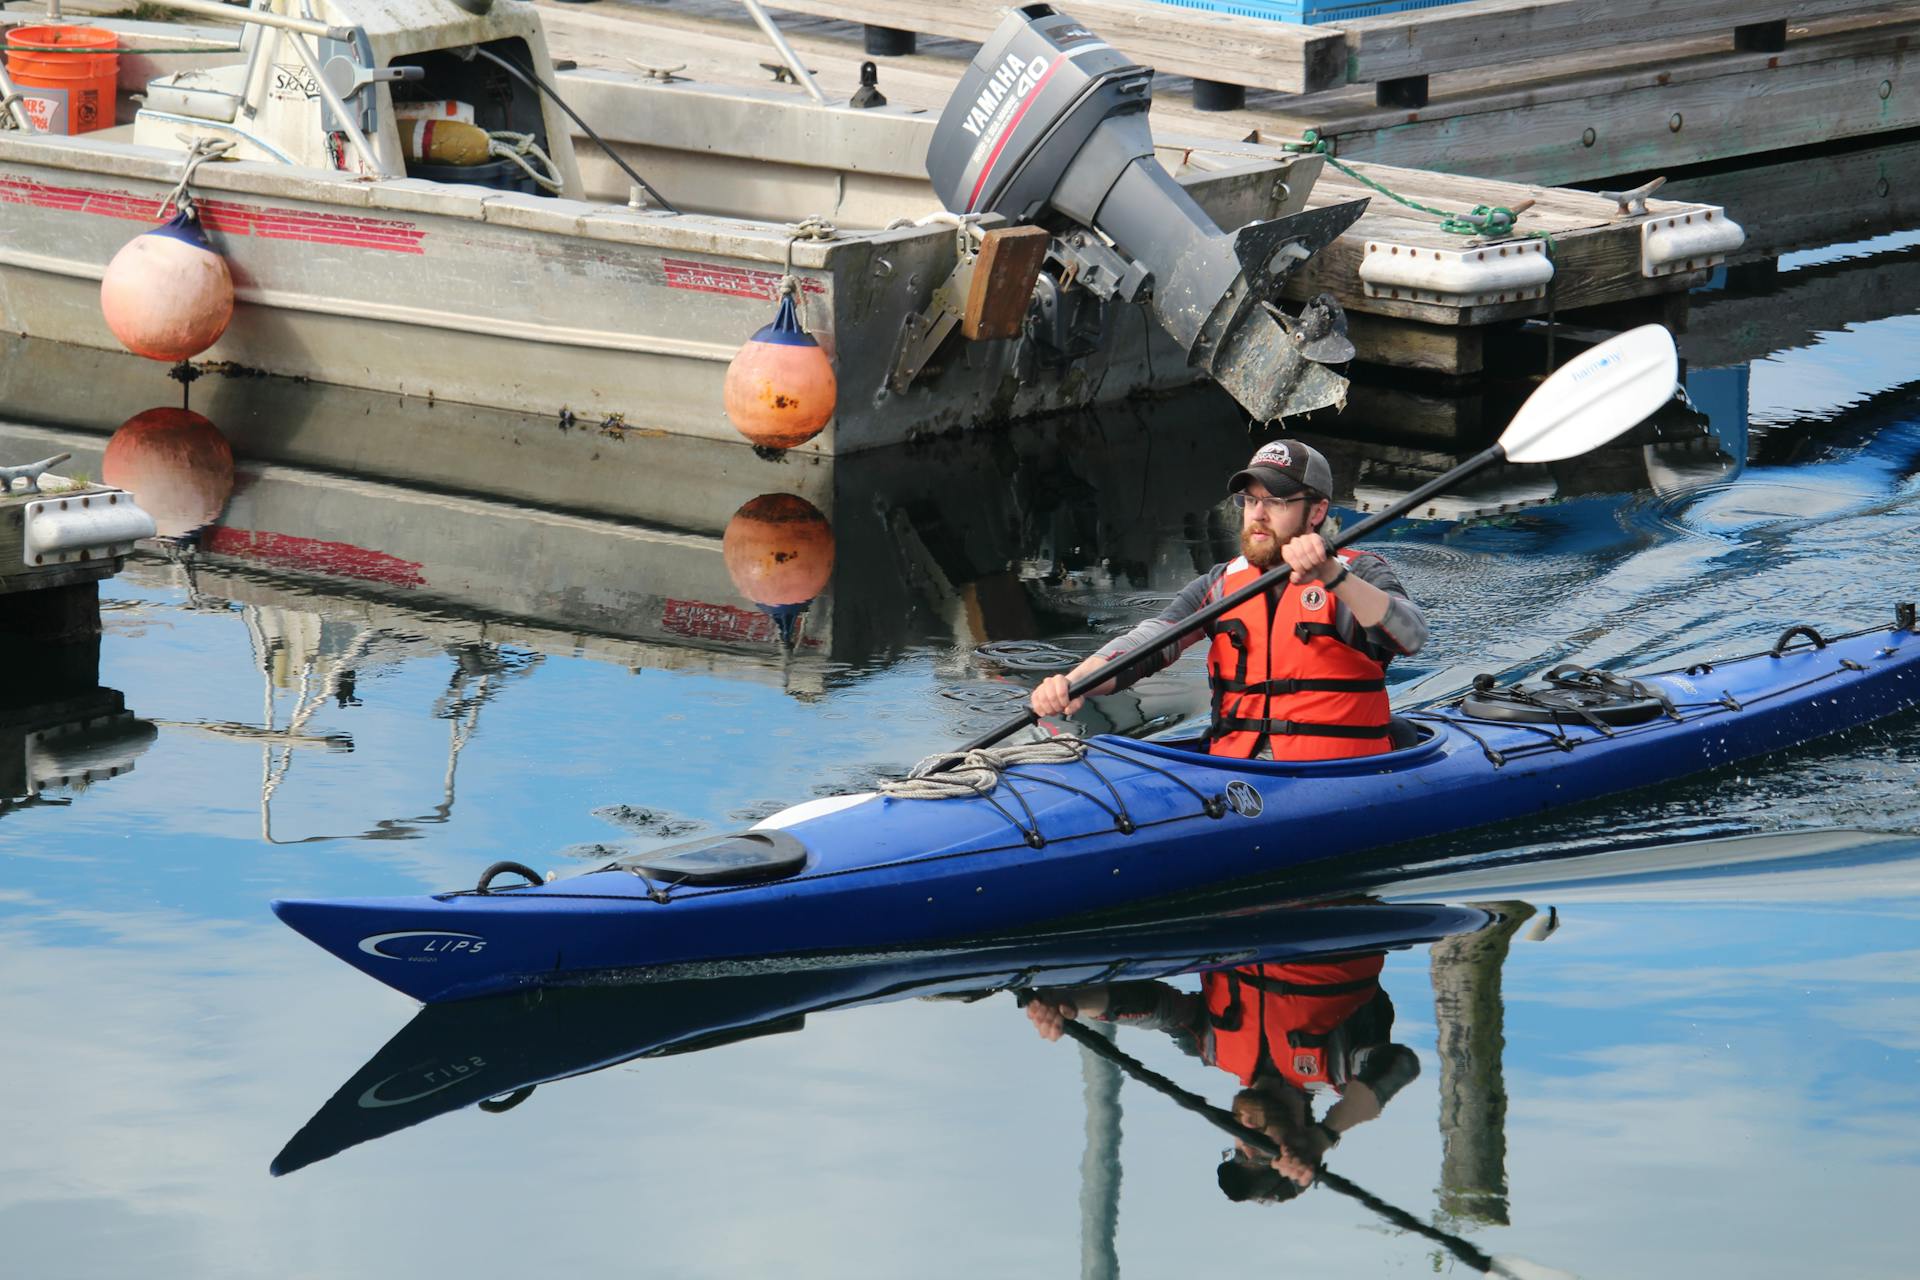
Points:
[(979, 772), (1552, 728)]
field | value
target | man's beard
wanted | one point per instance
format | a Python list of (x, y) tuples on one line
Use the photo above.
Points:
[(1263, 554)]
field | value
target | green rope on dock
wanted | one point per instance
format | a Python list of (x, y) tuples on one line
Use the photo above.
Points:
[(1489, 221)]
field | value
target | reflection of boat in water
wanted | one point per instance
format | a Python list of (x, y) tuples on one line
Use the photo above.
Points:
[(523, 276), (455, 1056), (898, 547), (957, 541)]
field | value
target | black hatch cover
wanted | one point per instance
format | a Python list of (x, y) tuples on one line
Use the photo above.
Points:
[(743, 857)]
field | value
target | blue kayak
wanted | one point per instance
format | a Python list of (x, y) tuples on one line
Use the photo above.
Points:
[(1113, 824)]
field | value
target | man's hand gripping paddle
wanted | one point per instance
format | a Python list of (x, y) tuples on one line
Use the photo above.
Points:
[(1587, 402)]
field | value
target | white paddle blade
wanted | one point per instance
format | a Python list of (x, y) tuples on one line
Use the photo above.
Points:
[(1590, 400)]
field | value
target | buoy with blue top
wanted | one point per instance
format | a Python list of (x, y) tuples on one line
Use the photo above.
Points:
[(167, 295), (780, 388)]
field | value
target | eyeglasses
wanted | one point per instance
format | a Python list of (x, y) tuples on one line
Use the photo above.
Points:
[(1242, 501)]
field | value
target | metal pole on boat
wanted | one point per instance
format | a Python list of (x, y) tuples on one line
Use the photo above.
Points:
[(261, 17), (348, 125), (785, 50), (16, 108)]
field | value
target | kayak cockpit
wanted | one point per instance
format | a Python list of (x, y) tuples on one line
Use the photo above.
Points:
[(1413, 742)]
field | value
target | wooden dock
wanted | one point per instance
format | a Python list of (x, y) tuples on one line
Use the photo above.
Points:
[(1419, 296), (1541, 91)]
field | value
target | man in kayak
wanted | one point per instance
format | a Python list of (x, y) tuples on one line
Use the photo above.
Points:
[(1287, 1032), (1298, 673)]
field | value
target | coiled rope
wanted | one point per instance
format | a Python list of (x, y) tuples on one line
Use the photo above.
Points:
[(507, 145), (955, 774)]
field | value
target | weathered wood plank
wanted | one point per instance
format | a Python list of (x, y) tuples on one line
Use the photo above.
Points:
[(1279, 56), (1492, 33), (1649, 118), (1403, 344)]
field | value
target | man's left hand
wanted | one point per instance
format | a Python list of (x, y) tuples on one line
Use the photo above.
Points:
[(1308, 557)]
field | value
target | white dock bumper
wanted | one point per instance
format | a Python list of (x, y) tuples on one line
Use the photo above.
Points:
[(1700, 238), (92, 526), (1512, 272)]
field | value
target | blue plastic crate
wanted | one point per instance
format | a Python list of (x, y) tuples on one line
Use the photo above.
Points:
[(1308, 11)]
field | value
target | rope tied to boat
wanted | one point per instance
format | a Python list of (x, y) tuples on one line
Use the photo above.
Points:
[(955, 774), (504, 144), (1486, 221), (199, 152), (811, 227)]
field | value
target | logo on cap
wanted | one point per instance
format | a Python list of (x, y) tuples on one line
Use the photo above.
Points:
[(1275, 452)]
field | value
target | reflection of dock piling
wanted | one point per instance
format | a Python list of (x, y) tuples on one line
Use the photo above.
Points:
[(1473, 1093), (1100, 1166)]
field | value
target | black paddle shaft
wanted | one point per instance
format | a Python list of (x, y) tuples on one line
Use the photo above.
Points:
[(1273, 577)]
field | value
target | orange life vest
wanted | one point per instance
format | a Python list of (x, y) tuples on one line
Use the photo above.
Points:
[(1281, 672), (1286, 1011)]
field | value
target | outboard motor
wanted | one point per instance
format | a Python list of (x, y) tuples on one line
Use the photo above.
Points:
[(1049, 125)]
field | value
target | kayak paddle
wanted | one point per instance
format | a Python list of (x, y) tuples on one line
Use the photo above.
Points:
[(1584, 404)]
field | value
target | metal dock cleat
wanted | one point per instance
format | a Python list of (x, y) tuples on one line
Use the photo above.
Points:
[(31, 473)]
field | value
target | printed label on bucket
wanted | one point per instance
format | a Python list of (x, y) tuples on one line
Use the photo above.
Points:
[(47, 108)]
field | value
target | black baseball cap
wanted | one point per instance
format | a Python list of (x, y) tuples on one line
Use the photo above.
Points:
[(1284, 467)]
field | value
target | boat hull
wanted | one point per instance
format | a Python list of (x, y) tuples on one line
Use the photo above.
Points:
[(1134, 823), (572, 310)]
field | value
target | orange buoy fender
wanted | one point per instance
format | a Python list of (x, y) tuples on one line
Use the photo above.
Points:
[(167, 295), (444, 141), (175, 463), (778, 550), (780, 387)]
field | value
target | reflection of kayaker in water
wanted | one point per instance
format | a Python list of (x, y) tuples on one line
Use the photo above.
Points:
[(1287, 1032), (1297, 674)]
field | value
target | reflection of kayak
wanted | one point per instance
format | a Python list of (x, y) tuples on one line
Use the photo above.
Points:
[(453, 1056), (1130, 824)]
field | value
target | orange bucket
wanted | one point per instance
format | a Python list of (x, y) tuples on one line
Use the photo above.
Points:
[(76, 87)]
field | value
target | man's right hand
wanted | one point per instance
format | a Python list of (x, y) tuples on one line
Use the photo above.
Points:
[(1050, 698)]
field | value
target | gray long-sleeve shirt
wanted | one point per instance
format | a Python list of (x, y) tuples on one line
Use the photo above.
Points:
[(1401, 632)]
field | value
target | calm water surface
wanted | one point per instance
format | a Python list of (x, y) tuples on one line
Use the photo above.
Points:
[(361, 684)]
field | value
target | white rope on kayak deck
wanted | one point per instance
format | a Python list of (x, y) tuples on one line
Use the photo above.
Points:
[(954, 774)]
